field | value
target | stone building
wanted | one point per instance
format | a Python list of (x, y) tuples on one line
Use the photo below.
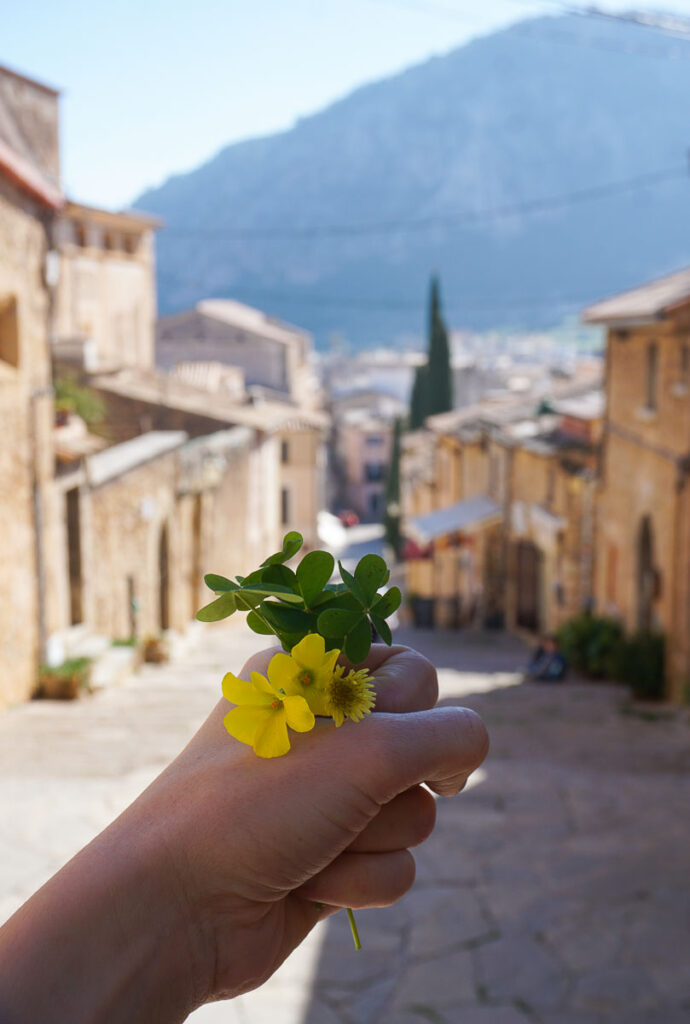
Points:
[(643, 551), (361, 447), (109, 528), (29, 198), (499, 512), (106, 297), (141, 522), (274, 356)]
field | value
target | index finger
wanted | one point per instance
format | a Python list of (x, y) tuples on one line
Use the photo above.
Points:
[(404, 680)]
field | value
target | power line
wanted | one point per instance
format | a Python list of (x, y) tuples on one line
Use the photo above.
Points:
[(393, 304), (530, 206)]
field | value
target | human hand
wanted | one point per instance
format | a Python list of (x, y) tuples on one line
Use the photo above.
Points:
[(221, 863)]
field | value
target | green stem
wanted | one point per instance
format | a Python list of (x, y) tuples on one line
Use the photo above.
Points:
[(353, 928), (250, 608)]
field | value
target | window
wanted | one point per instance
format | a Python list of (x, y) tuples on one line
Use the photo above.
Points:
[(373, 440), (284, 452), (685, 362), (374, 505), (550, 486), (284, 506), (374, 472), (80, 235), (652, 375), (9, 333)]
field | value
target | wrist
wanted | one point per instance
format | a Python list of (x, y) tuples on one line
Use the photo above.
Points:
[(106, 939)]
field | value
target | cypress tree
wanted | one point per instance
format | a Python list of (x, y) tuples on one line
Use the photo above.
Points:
[(419, 403), (392, 516), (439, 392)]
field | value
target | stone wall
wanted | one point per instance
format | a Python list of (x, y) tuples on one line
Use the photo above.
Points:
[(644, 479), (25, 441)]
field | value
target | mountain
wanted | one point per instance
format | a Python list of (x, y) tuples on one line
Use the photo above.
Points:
[(337, 223)]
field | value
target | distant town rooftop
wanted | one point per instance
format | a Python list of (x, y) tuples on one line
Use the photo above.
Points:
[(649, 302), (246, 318)]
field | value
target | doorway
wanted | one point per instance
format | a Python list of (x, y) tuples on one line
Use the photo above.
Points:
[(528, 578), (164, 579), (74, 565), (646, 575)]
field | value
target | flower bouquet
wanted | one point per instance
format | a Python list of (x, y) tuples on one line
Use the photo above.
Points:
[(316, 621)]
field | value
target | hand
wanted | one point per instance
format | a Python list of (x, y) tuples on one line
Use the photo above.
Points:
[(205, 884)]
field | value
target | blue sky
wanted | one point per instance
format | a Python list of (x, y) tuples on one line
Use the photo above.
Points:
[(155, 87)]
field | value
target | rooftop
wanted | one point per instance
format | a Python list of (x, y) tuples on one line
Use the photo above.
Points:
[(246, 318), (122, 458), (133, 220), (28, 177), (641, 305), (463, 515), (158, 388)]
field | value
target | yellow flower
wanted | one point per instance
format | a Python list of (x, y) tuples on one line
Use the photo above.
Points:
[(306, 671), (349, 696), (262, 715)]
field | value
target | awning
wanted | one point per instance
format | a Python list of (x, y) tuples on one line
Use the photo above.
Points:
[(464, 515)]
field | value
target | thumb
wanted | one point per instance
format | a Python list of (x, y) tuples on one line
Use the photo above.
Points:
[(441, 747)]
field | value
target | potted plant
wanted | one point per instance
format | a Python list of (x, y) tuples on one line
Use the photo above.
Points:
[(155, 650), (66, 681)]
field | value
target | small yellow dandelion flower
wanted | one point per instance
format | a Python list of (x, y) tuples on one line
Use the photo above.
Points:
[(349, 696), (262, 715), (306, 671)]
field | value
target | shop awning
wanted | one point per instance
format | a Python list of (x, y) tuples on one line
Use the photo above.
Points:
[(467, 515)]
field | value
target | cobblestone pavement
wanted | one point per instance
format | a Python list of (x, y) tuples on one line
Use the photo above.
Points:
[(555, 890)]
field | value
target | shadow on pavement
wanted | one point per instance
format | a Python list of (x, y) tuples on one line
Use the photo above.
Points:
[(555, 888)]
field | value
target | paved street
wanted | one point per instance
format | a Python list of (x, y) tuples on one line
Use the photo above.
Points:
[(555, 890)]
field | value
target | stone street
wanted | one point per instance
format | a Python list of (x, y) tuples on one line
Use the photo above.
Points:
[(555, 890)]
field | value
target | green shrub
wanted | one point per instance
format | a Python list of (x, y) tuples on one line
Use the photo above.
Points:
[(597, 647), (592, 644), (70, 396), (642, 666)]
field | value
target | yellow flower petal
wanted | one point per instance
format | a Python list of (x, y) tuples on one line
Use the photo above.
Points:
[(282, 672), (271, 739), (262, 684), (243, 723), (327, 667), (298, 714), (310, 651), (240, 691)]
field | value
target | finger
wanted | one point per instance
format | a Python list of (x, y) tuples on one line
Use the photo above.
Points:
[(404, 679), (442, 747), (362, 880), (406, 821)]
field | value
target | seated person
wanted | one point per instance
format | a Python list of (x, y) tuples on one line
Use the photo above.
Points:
[(548, 663)]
